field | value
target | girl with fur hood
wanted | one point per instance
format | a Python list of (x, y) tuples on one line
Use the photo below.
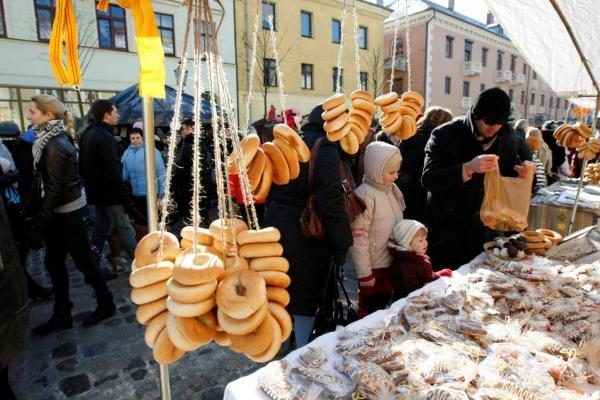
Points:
[(371, 229)]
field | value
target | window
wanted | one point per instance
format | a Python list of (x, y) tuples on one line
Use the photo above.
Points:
[(466, 88), (306, 24), (364, 81), (268, 10), (468, 50), (270, 72), (335, 75), (449, 45), (499, 60), (484, 54), (551, 102), (2, 23), (524, 69), (206, 36), (482, 87), (532, 99), (399, 46), (167, 32), (306, 71), (566, 104), (44, 16), (336, 31), (542, 100), (513, 62), (363, 37), (511, 94), (447, 84), (112, 31), (522, 97), (398, 85), (534, 75)]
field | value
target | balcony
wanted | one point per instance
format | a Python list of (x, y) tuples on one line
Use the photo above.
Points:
[(532, 110), (400, 64), (503, 76), (541, 110), (517, 79), (466, 102), (471, 68)]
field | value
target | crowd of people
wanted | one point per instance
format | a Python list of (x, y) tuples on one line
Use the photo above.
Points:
[(422, 198)]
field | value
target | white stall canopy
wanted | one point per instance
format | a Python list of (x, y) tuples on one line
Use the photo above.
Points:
[(535, 27)]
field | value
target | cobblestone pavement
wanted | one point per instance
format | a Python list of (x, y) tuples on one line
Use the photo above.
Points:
[(111, 360)]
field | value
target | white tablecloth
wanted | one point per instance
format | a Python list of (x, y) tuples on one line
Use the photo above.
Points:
[(247, 387)]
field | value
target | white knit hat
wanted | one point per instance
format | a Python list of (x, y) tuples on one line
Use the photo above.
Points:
[(404, 232)]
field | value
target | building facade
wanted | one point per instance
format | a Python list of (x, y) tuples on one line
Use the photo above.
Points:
[(453, 58), (308, 36), (107, 51)]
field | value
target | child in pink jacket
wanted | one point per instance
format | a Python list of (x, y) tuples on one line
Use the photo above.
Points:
[(371, 229)]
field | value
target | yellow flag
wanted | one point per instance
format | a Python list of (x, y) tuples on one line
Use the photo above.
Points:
[(64, 34)]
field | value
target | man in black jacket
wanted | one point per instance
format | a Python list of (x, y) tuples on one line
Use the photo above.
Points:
[(100, 168), (456, 157)]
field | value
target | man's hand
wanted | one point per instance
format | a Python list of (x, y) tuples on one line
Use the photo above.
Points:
[(481, 164), (525, 170)]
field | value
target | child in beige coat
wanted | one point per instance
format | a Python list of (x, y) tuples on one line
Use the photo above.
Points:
[(371, 229)]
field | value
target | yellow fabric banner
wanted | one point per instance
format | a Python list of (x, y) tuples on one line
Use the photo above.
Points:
[(149, 46), (64, 33)]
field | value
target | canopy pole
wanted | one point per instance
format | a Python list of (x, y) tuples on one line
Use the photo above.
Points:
[(576, 44), (150, 164), (583, 167)]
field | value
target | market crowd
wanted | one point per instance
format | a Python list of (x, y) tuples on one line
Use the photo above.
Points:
[(84, 195)]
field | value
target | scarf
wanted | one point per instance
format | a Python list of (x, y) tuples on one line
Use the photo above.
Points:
[(45, 131)]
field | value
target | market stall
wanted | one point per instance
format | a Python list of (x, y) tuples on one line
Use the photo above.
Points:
[(551, 207), (524, 329)]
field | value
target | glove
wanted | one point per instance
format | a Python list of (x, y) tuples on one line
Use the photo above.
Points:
[(339, 258), (444, 272), (367, 281)]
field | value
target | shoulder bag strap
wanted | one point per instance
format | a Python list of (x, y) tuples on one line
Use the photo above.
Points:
[(311, 164)]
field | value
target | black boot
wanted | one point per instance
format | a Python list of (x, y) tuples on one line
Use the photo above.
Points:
[(105, 309), (61, 319)]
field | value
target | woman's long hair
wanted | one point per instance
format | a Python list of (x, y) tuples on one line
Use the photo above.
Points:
[(50, 104)]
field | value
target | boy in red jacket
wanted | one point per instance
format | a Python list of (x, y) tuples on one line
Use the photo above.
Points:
[(411, 268)]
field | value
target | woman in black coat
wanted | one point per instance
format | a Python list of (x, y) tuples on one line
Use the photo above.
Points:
[(310, 259), (413, 158)]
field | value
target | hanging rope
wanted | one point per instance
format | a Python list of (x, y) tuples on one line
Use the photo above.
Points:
[(165, 202), (393, 67), (338, 78), (407, 28), (251, 76), (356, 47), (277, 69)]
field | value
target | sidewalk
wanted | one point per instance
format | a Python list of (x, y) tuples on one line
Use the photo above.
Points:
[(111, 360)]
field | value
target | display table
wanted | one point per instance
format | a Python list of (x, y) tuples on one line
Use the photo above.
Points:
[(247, 387), (552, 208)]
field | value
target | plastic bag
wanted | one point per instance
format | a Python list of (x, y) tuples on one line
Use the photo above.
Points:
[(506, 201)]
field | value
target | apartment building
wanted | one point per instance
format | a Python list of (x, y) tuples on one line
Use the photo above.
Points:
[(107, 51), (308, 35), (454, 57)]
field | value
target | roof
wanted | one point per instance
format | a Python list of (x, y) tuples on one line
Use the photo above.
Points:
[(417, 6)]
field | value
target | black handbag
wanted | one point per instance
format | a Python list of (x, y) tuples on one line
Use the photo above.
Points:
[(332, 311), (36, 195)]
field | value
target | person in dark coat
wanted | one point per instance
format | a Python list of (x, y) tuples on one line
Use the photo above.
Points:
[(413, 157), (310, 259), (60, 217), (100, 166), (456, 157), (521, 142), (558, 152)]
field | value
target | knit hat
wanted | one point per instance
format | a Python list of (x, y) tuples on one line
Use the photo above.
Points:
[(533, 132), (139, 125), (393, 162), (378, 157), (492, 105), (403, 234), (550, 125)]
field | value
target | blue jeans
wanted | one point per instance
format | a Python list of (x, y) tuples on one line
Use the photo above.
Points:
[(114, 217)]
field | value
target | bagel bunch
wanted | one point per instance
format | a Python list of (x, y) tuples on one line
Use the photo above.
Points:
[(579, 112), (592, 173), (399, 115), (273, 162), (149, 277), (538, 241), (349, 128), (251, 299), (578, 136)]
